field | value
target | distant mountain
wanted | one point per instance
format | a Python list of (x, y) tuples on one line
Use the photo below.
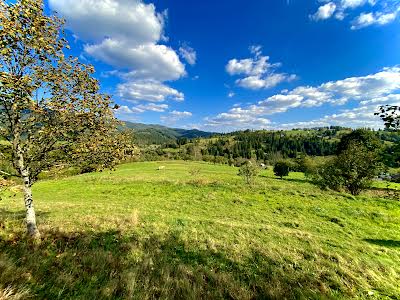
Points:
[(148, 134)]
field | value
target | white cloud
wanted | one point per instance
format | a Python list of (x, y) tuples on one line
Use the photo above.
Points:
[(174, 116), (123, 33), (269, 81), (364, 20), (380, 88), (226, 122), (256, 50), (324, 11), (365, 87), (181, 114), (231, 94), (157, 62), (243, 66), (151, 107), (94, 20), (373, 12), (124, 110), (259, 71), (127, 114), (392, 99), (189, 54), (352, 3), (358, 117), (128, 35), (148, 90)]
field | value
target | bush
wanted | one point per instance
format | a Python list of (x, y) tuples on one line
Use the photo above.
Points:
[(364, 137), (328, 176), (248, 171), (238, 162), (396, 178), (353, 169), (194, 171), (282, 168)]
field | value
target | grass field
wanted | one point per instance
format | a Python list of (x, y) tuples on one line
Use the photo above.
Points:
[(143, 233)]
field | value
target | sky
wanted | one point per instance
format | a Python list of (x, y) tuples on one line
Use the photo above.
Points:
[(232, 64)]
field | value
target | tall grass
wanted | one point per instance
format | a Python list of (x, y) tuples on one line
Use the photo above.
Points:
[(144, 233)]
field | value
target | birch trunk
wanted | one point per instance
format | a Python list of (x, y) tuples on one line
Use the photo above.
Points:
[(30, 211), (31, 227)]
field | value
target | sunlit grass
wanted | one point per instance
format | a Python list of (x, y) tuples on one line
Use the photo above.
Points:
[(144, 233)]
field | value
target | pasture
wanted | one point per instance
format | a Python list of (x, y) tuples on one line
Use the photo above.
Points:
[(194, 230)]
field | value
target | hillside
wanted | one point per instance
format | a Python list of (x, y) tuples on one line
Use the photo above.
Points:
[(148, 134), (268, 146), (144, 233)]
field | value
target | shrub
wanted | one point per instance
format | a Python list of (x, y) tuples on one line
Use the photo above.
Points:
[(328, 176), (194, 171), (353, 169), (396, 178), (282, 168), (366, 138), (238, 162), (248, 171)]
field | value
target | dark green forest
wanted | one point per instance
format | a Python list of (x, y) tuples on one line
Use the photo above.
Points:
[(262, 145)]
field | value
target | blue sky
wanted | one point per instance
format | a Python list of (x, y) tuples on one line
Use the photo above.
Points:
[(227, 65)]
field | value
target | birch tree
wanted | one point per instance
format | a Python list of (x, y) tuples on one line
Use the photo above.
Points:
[(50, 105)]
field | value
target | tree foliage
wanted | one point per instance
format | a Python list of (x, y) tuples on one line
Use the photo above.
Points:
[(390, 115), (356, 164), (248, 171), (282, 168), (367, 138), (51, 108)]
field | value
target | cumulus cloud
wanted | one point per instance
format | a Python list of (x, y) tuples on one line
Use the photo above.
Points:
[(373, 12), (269, 81), (122, 33), (367, 19), (258, 71), (127, 114), (128, 35), (189, 54), (358, 117), (369, 91), (174, 116), (151, 107), (226, 122), (157, 62), (181, 114), (123, 19), (148, 90), (353, 3), (324, 11)]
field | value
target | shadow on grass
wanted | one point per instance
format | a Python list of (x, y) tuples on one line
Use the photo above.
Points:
[(298, 180), (384, 243), (19, 215), (112, 265), (9, 218)]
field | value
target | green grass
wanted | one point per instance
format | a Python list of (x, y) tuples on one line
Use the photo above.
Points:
[(143, 233)]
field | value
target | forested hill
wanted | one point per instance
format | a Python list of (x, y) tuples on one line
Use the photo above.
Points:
[(262, 145), (149, 134)]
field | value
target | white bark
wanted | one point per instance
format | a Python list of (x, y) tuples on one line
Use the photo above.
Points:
[(30, 211), (31, 227)]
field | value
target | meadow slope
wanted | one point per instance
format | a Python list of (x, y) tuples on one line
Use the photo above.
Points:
[(195, 230)]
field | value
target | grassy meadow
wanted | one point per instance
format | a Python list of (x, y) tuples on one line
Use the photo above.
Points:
[(196, 231)]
